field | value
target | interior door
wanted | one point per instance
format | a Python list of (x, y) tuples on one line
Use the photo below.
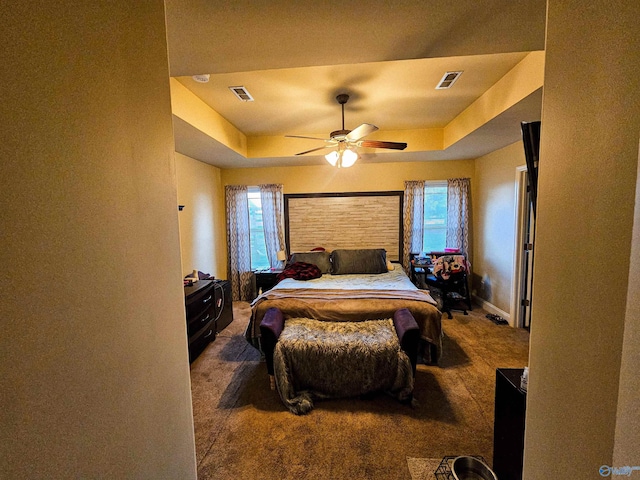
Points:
[(526, 268)]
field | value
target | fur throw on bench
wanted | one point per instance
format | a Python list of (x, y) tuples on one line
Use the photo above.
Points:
[(315, 359)]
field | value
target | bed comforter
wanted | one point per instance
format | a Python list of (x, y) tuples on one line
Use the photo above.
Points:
[(351, 305)]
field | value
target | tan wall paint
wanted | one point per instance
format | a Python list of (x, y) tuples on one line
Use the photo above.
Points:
[(588, 178), (202, 221), (496, 170), (495, 224), (520, 82), (627, 436), (94, 365), (187, 106), (417, 140), (199, 182), (362, 177), (203, 185)]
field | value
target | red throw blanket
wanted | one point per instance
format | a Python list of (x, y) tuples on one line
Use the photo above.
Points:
[(300, 271)]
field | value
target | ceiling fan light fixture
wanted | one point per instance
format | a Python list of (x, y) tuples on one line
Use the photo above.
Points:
[(349, 157), (342, 158), (332, 158)]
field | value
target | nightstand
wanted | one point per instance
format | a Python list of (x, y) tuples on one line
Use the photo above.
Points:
[(509, 423), (265, 279), (419, 273)]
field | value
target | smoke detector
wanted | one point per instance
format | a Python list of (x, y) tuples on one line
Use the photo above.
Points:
[(448, 79), (202, 78)]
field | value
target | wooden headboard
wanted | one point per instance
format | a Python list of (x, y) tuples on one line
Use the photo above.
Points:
[(344, 220)]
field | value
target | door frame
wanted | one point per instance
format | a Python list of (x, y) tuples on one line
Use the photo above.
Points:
[(521, 207)]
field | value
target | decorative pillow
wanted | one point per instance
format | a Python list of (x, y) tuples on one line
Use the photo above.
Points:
[(321, 259), (372, 260)]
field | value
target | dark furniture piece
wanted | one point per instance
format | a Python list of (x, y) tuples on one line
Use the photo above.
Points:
[(265, 280), (201, 316), (454, 291), (223, 304), (451, 294), (419, 269), (508, 432)]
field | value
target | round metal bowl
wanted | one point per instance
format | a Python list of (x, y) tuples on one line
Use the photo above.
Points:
[(470, 468)]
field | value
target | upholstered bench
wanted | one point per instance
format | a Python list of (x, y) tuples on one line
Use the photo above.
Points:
[(309, 359)]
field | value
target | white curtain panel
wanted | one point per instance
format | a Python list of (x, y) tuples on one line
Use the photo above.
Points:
[(412, 220), (272, 221), (458, 212), (238, 241)]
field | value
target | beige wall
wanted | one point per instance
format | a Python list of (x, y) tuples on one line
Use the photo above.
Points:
[(493, 202), (495, 225), (587, 184), (201, 190), (94, 364), (362, 177), (628, 415), (202, 221)]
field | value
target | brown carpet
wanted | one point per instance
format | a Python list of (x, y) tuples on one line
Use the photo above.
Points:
[(423, 468), (243, 431)]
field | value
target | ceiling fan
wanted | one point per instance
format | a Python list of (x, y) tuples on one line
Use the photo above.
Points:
[(347, 141)]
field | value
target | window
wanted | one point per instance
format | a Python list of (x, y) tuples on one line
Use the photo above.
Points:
[(435, 217), (259, 258)]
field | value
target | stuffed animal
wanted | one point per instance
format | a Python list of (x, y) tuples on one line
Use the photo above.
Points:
[(445, 266)]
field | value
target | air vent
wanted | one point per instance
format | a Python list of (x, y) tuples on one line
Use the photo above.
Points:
[(448, 79), (242, 94)]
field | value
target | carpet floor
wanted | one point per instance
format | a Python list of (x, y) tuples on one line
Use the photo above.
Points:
[(243, 431)]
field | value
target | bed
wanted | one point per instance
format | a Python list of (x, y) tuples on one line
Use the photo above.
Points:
[(372, 292)]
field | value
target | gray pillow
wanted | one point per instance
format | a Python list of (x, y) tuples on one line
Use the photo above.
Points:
[(321, 259), (371, 260)]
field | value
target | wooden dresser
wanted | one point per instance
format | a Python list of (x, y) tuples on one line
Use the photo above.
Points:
[(201, 316), (224, 304)]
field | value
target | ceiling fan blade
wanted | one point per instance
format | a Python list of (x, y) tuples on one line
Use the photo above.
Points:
[(310, 138), (361, 132), (314, 150), (380, 144)]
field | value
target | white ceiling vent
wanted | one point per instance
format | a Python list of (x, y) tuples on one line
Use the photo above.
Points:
[(448, 79), (242, 94)]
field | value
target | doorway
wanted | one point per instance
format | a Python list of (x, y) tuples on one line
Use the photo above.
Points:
[(522, 293)]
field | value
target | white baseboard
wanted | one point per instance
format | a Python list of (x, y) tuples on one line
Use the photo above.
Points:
[(491, 308)]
